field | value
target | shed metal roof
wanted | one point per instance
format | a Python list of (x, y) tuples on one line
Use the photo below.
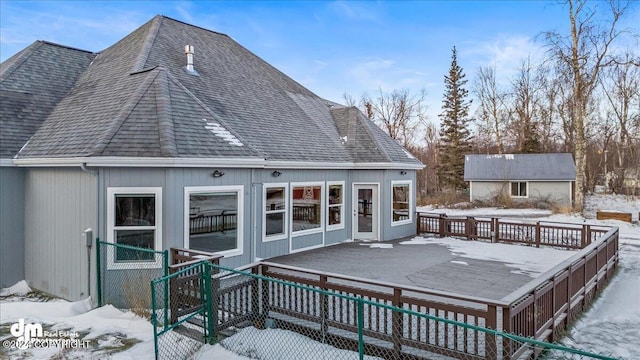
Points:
[(505, 167)]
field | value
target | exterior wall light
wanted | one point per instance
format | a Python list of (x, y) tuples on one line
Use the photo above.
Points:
[(218, 173), (402, 172), (276, 173)]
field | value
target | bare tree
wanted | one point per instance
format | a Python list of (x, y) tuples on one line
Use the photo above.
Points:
[(399, 113), (525, 104), (621, 87), (492, 117), (583, 54)]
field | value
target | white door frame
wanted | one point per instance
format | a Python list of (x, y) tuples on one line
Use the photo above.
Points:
[(375, 215)]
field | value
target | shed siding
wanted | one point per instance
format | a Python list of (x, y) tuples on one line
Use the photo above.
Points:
[(558, 192), (487, 190), (63, 201), (555, 191), (11, 225)]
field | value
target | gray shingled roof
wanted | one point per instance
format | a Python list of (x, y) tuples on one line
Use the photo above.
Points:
[(32, 82), (137, 100), (519, 167)]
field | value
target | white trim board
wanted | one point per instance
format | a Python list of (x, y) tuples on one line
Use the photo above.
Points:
[(246, 162)]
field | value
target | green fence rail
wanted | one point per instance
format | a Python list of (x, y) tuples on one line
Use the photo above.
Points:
[(267, 318), (123, 275)]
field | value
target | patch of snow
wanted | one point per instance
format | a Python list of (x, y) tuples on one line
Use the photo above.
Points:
[(486, 212), (409, 155), (524, 259), (459, 262), (279, 344), (20, 288), (219, 131), (348, 241), (381, 246)]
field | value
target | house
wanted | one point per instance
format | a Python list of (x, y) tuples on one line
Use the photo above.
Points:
[(177, 136), (521, 177)]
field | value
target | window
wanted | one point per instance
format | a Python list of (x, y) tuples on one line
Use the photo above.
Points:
[(275, 212), (306, 208), (401, 202), (213, 219), (335, 205), (134, 218), (519, 189)]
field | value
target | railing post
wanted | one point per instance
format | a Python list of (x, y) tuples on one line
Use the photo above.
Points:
[(264, 298), (417, 223), (538, 234), (506, 328), (491, 351), (583, 237), (324, 309), (569, 291), (259, 323), (441, 225), (211, 306), (497, 230), (397, 327)]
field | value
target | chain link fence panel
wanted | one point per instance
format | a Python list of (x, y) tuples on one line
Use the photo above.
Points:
[(124, 273), (266, 318)]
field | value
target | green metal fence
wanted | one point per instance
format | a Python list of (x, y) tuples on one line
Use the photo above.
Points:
[(267, 318), (124, 273)]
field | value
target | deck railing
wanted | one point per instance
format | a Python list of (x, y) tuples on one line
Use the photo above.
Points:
[(543, 308), (540, 233), (540, 309)]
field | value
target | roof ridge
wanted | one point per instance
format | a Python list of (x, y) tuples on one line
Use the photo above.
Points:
[(218, 119), (152, 34), (24, 55), (361, 117), (124, 112), (66, 47), (166, 131), (195, 26)]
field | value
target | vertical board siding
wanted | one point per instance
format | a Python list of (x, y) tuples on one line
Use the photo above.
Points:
[(59, 205), (11, 225), (174, 180)]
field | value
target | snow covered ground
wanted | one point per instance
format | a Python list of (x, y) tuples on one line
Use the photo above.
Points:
[(610, 327)]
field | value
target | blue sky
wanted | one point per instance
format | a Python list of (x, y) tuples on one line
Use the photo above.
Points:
[(332, 48)]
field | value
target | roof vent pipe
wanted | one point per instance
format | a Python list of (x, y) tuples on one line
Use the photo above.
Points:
[(188, 49)]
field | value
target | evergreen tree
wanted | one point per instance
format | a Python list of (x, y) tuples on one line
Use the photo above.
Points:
[(455, 136)]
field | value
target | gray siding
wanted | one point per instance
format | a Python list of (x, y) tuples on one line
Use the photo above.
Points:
[(11, 225), (174, 180), (554, 191), (59, 205)]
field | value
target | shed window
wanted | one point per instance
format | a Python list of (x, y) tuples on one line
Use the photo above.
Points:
[(306, 208), (134, 220), (401, 202), (275, 212), (519, 189), (214, 219), (335, 205)]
